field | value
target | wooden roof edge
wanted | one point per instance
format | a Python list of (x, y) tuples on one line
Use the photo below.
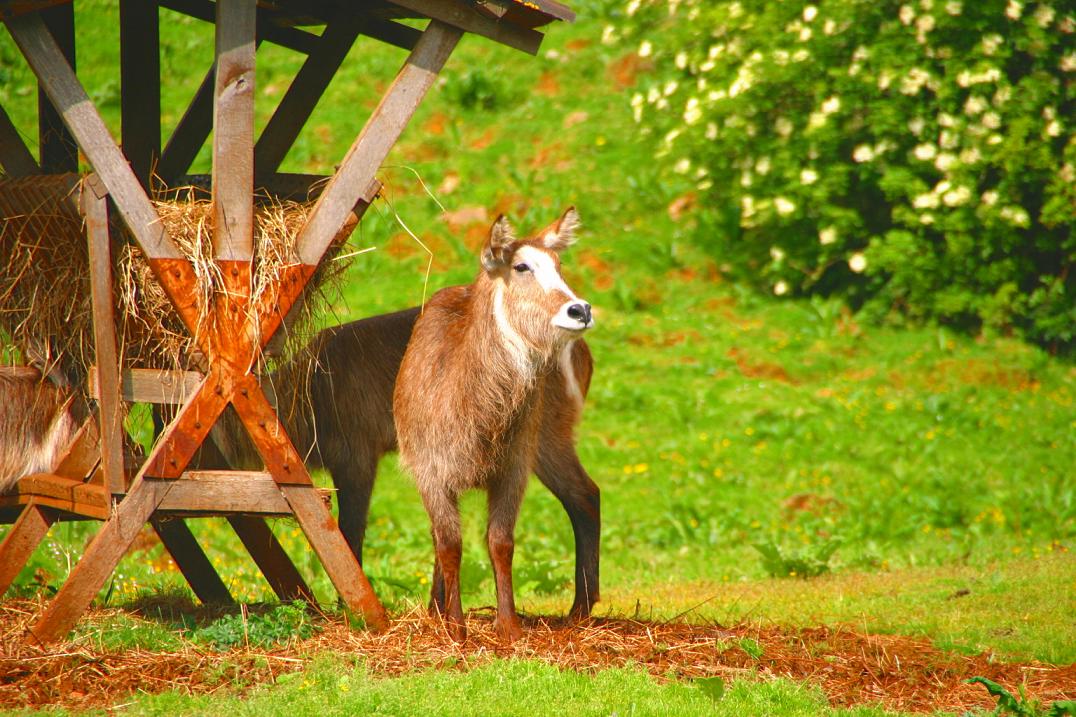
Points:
[(555, 10)]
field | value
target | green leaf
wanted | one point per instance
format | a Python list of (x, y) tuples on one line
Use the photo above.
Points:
[(712, 687)]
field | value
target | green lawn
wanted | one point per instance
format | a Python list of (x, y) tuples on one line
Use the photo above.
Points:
[(904, 464)]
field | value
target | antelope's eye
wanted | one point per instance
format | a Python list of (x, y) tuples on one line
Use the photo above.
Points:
[(521, 268)]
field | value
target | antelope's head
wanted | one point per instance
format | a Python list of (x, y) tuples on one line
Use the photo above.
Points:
[(532, 303)]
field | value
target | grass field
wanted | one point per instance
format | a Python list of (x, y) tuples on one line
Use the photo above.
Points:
[(761, 460)]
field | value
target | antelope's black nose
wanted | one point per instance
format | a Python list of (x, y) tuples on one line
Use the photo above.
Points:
[(580, 312)]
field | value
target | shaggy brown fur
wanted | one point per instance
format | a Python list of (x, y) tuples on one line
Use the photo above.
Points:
[(36, 424), (478, 376)]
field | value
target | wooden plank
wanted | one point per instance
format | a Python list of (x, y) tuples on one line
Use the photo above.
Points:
[(185, 434), (279, 571), (57, 147), (151, 385), (140, 82), (303, 94), (63, 88), (225, 492), (464, 17), (268, 434), (393, 33), (100, 559), (190, 133), (82, 455), (15, 157), (181, 544), (376, 139), (111, 411), (48, 485), (340, 563), (233, 131), (29, 530), (289, 37)]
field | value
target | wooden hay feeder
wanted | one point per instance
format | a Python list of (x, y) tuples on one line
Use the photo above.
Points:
[(225, 323)]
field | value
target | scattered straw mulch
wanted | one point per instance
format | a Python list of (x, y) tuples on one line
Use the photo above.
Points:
[(852, 668)]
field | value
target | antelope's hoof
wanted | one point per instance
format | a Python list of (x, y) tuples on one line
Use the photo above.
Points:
[(508, 630)]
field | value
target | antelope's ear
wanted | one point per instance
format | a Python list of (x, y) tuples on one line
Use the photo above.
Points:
[(561, 234), (495, 251)]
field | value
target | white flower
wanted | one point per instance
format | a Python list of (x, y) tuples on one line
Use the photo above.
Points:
[(1016, 216), (989, 197), (681, 60), (645, 49), (1044, 15), (956, 197), (777, 254), (926, 218), (816, 120), (991, 43), (948, 140), (632, 7), (954, 7), (970, 155), (925, 152), (831, 105), (1014, 9), (907, 14), (945, 162), (827, 236), (1053, 129), (747, 206), (991, 120), (783, 126), (829, 26), (671, 136), (946, 120), (784, 207), (861, 53), (863, 153), (926, 200), (925, 23), (608, 35), (916, 125), (692, 113), (670, 87), (805, 34), (884, 80), (746, 178), (974, 105), (711, 130), (808, 176), (1068, 63), (780, 288), (780, 57), (857, 262), (810, 13), (762, 166), (800, 55), (994, 139), (914, 81), (683, 166), (942, 187)]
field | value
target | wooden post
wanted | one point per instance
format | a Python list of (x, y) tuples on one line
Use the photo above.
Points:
[(27, 533), (15, 158), (269, 554), (192, 561), (58, 151), (140, 85), (233, 131), (111, 411)]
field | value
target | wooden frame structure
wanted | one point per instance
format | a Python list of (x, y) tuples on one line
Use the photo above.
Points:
[(92, 480)]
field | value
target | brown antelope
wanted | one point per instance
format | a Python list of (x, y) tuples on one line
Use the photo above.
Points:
[(485, 365), (346, 425), (36, 423)]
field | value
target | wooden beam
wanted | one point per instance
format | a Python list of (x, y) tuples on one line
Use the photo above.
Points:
[(376, 139), (224, 492), (190, 133), (15, 157), (303, 94), (140, 82), (279, 571), (82, 454), (56, 146), (151, 385), (94, 203), (233, 131), (59, 81), (74, 492), (29, 530), (289, 37), (464, 17), (191, 560)]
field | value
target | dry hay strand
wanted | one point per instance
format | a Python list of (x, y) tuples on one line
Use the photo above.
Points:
[(900, 673), (44, 275)]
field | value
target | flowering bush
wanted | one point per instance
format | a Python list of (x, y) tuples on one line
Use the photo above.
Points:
[(917, 158)]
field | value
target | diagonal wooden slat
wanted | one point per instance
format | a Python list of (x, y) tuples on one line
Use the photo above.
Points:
[(81, 117), (269, 554), (15, 157), (140, 85), (464, 17), (233, 131), (192, 561), (376, 139), (57, 148), (27, 533)]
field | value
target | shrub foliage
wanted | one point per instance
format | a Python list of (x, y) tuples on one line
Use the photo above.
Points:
[(918, 159)]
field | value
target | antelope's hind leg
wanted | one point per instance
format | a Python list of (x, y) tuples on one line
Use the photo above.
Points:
[(443, 509)]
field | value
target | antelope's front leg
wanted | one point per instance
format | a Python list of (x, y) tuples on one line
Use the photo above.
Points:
[(505, 496), (443, 509)]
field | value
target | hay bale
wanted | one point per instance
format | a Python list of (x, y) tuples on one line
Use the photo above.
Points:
[(44, 274)]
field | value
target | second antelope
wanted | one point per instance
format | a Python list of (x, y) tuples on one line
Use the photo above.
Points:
[(471, 393)]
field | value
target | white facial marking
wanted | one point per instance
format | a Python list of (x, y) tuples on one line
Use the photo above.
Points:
[(571, 383), (545, 270), (515, 344)]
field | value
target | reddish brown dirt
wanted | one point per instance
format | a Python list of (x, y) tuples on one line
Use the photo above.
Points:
[(852, 668)]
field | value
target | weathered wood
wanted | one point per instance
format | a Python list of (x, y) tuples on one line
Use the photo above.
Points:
[(328, 542), (376, 139), (63, 88), (464, 17), (224, 492), (392, 33), (303, 94), (140, 83), (29, 530), (69, 491), (111, 410), (233, 131), (269, 436), (83, 454), (57, 147), (15, 157), (188, 556), (151, 385), (100, 560), (185, 434), (289, 37), (190, 133), (279, 571)]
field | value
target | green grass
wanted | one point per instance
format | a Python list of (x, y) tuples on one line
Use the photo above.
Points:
[(717, 420)]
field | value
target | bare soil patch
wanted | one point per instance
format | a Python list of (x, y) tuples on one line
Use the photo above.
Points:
[(851, 667)]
